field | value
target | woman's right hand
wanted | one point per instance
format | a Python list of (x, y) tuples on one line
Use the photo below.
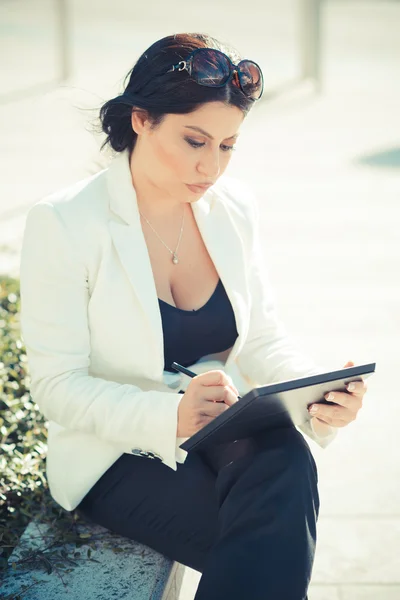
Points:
[(207, 396)]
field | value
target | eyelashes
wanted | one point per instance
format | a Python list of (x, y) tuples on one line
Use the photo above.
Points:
[(194, 144)]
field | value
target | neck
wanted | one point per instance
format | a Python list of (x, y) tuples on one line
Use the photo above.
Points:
[(152, 201)]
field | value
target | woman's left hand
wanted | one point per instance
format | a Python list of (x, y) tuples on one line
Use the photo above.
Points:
[(349, 403)]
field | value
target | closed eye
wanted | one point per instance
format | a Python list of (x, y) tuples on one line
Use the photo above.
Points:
[(194, 144), (226, 148)]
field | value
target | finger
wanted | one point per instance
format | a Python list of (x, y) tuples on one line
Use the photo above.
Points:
[(357, 388), (232, 386), (349, 364), (332, 423), (218, 377), (350, 401), (332, 414), (213, 377), (213, 409), (220, 394)]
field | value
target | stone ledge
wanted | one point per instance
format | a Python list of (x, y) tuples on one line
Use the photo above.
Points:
[(135, 572)]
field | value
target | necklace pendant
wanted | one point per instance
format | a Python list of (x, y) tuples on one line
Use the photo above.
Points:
[(175, 259)]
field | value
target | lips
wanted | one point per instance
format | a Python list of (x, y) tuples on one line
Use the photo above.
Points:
[(199, 188)]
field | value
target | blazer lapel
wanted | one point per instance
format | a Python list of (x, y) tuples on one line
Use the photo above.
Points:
[(220, 237), (225, 248)]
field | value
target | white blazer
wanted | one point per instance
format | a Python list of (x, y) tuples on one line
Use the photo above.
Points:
[(92, 328)]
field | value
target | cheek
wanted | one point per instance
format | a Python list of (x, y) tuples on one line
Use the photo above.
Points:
[(174, 161), (225, 160)]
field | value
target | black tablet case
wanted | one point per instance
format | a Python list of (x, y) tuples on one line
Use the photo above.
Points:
[(281, 404)]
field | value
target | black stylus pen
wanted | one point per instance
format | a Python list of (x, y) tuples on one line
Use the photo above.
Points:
[(185, 371)]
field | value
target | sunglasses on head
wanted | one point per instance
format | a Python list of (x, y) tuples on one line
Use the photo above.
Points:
[(213, 68)]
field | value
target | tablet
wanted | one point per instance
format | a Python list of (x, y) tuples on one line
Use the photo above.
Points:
[(275, 405)]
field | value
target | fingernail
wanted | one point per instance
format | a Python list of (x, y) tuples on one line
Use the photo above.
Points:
[(313, 408), (351, 387), (329, 396)]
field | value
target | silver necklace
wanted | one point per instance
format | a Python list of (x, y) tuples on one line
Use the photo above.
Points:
[(175, 259)]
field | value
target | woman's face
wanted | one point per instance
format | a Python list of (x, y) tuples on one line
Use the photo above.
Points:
[(187, 150)]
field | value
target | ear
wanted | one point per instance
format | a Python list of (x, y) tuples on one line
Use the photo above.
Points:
[(140, 121)]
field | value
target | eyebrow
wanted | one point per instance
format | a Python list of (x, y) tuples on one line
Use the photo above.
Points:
[(200, 130)]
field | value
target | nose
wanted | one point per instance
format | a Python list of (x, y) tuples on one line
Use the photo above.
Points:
[(209, 165)]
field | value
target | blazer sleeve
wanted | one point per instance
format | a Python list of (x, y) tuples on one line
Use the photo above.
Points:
[(269, 354), (55, 330)]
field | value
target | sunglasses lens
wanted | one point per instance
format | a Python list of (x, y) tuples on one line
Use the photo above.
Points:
[(251, 79), (210, 67)]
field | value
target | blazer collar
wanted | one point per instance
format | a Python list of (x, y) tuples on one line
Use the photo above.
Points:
[(220, 237)]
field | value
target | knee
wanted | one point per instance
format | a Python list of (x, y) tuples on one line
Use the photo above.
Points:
[(299, 449), (279, 461), (293, 450), (290, 453)]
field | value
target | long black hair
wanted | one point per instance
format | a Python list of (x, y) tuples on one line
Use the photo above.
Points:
[(149, 87)]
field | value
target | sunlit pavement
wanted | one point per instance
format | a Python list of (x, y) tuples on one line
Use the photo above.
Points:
[(326, 170)]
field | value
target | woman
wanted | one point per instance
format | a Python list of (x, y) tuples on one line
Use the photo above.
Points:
[(154, 260)]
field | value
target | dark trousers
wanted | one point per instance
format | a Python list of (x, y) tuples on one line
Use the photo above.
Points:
[(244, 514)]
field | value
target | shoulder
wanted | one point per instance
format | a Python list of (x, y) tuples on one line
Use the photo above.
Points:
[(77, 213), (76, 201)]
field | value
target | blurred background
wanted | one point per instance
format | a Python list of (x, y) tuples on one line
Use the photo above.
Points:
[(322, 152)]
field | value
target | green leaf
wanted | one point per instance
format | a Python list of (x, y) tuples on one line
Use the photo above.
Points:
[(85, 535), (24, 491)]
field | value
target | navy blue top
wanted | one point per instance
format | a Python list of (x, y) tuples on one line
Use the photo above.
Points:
[(191, 334)]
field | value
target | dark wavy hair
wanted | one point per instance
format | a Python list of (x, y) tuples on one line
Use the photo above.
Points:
[(151, 89)]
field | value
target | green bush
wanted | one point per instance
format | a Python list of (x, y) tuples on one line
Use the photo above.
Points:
[(24, 492)]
